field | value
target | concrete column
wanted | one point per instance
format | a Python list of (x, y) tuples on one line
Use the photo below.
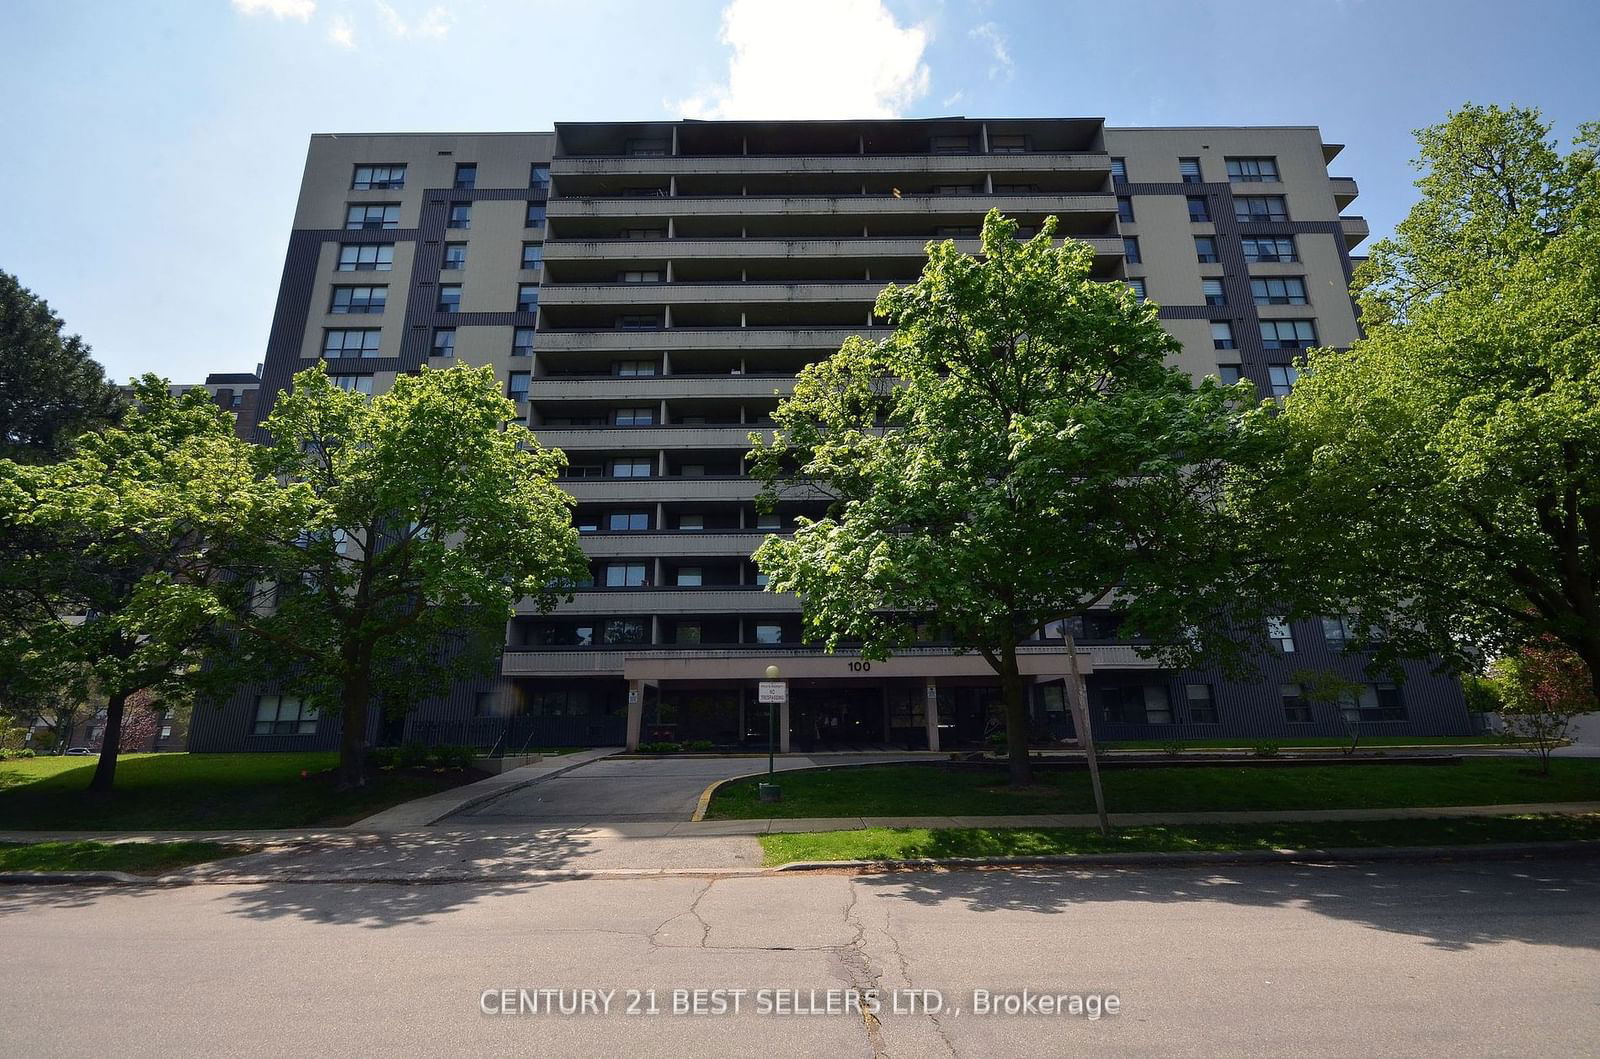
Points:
[(783, 726), (635, 712), (983, 137), (931, 700)]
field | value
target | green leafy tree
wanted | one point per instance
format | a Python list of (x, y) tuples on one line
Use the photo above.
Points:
[(430, 518), (1541, 688), (1440, 481), (1324, 687), (1014, 454), (51, 390), (52, 704), (124, 555)]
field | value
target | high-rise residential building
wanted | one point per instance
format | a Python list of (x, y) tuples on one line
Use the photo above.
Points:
[(647, 291)]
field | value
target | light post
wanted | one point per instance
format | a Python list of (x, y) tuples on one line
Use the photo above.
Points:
[(774, 694), (772, 724)]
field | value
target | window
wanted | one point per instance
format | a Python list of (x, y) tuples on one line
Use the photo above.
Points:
[(1229, 373), (532, 255), (1008, 144), (1124, 209), (1205, 248), (535, 218), (639, 276), (1130, 250), (1288, 334), (371, 216), (1222, 335), (1157, 704), (630, 468), (769, 634), (1278, 290), (687, 632), (444, 342), (1198, 211), (634, 368), (539, 176), (769, 521), (1250, 170), (639, 322), (455, 257), (692, 523), (1260, 208), (624, 630), (1016, 189), (645, 148), (644, 233), (449, 298), (1119, 169), (625, 575), (1137, 286), (379, 178), (1281, 635), (1136, 704), (634, 417), (1281, 378), (1296, 710), (363, 343), (1269, 248), (951, 145), (1375, 702), (1213, 291), (958, 231), (628, 521), (690, 577), (460, 215), (1337, 632), (517, 385), (166, 731), (284, 715), (353, 383), (527, 299), (356, 300), (466, 175), (522, 342), (586, 523), (1189, 170), (1202, 709), (366, 257)]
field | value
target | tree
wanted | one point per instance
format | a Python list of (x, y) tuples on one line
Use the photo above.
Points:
[(1327, 688), (139, 722), (57, 702), (1014, 454), (430, 517), (50, 389), (1440, 481), (126, 555), (1541, 689)]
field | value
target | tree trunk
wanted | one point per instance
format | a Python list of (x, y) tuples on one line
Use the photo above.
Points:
[(1017, 720), (353, 708), (105, 771), (1079, 699)]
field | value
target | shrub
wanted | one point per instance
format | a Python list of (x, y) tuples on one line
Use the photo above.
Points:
[(455, 757), (1172, 748), (383, 757), (1265, 750), (26, 751), (411, 755), (659, 748), (700, 746)]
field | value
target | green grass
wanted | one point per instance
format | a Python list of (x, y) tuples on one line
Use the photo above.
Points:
[(1309, 742), (881, 843), (936, 790), (139, 858), (186, 792)]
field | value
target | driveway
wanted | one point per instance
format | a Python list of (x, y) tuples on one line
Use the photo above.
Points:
[(614, 790)]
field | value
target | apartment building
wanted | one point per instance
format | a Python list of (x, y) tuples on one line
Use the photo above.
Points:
[(647, 292)]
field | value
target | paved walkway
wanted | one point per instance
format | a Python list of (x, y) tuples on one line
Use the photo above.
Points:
[(435, 807)]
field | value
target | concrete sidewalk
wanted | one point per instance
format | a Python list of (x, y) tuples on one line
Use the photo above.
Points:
[(430, 810)]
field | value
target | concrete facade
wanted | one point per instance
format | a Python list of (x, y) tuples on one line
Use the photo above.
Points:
[(647, 292)]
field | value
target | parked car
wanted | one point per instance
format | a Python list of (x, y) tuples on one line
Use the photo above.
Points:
[(79, 751)]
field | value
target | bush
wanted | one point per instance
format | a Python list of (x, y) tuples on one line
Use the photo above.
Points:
[(700, 746), (455, 757), (26, 751), (411, 755), (383, 757), (659, 748), (1173, 748), (1265, 750)]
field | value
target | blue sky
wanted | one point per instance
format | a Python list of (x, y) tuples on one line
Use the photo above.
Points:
[(154, 149)]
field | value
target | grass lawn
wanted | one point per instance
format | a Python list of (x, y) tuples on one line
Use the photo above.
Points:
[(186, 792), (139, 858), (1313, 742), (936, 790), (881, 843)]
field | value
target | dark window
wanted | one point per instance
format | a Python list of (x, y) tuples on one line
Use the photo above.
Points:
[(517, 385), (1249, 170), (449, 298), (366, 257), (634, 367), (1124, 208), (527, 299), (522, 342), (1296, 710), (372, 215), (624, 630), (634, 417), (1214, 292), (379, 178), (1288, 334), (358, 299), (1119, 169), (444, 342), (466, 175), (625, 575), (769, 634), (1229, 373), (539, 176), (1130, 249), (1202, 708), (628, 521), (631, 468), (1281, 378), (1137, 704), (1205, 248), (353, 383), (1198, 210), (1189, 170), (339, 344), (460, 215), (639, 322), (535, 216), (1337, 632), (1280, 635), (532, 255), (1137, 286), (1269, 248), (951, 145), (283, 715), (455, 257), (1222, 335), (1248, 208), (1008, 144), (1278, 290)]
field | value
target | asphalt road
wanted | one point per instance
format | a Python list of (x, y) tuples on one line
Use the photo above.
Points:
[(614, 790), (1494, 958)]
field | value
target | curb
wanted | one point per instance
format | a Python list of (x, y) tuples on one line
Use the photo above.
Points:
[(1350, 855), (117, 878), (706, 795)]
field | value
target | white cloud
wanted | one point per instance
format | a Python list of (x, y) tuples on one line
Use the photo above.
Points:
[(434, 24), (822, 59), (301, 9), (341, 32), (1002, 67)]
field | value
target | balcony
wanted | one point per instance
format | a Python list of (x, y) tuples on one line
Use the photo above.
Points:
[(776, 249), (658, 387), (574, 439), (726, 338), (650, 294), (831, 164), (831, 205), (1344, 190), (1355, 230), (644, 489), (738, 599), (724, 543)]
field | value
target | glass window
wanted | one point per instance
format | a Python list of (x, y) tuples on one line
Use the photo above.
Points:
[(634, 417), (466, 175), (1247, 170), (532, 255), (372, 215), (639, 276), (1119, 169), (449, 298), (1214, 292), (769, 521), (539, 176), (379, 178), (625, 575), (353, 383), (1205, 248), (692, 523), (1248, 208), (358, 300), (639, 322), (1229, 373), (631, 368), (1157, 704), (1008, 144), (1202, 709), (1288, 334), (1198, 211), (1269, 248), (362, 343), (630, 468), (1222, 335), (1282, 378), (1189, 170), (535, 216), (951, 145), (769, 634), (444, 342), (284, 715), (366, 257), (1278, 290), (527, 299), (1130, 250), (1336, 631), (455, 257), (628, 521), (522, 342), (690, 576), (1137, 286), (1124, 208), (460, 215), (517, 385), (1281, 635), (1296, 710)]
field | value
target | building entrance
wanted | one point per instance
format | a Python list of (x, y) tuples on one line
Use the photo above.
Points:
[(836, 718)]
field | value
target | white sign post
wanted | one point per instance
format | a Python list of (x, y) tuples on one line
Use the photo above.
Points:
[(772, 692)]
